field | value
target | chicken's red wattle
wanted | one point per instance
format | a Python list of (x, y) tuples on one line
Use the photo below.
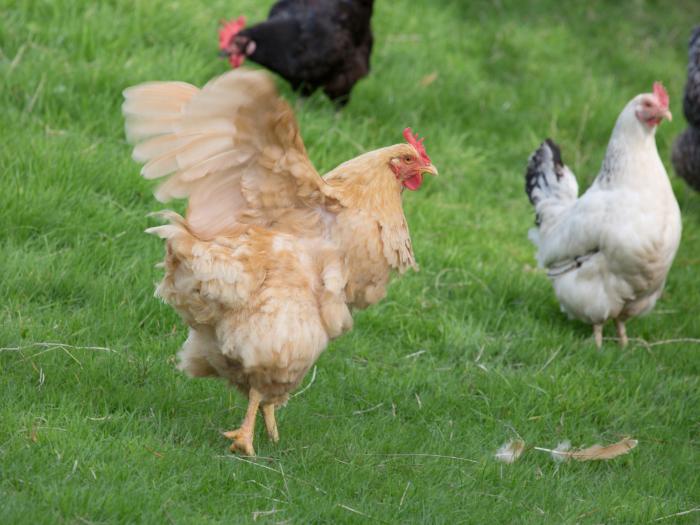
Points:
[(414, 182)]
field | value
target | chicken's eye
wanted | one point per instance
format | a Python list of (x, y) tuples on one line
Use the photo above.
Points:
[(407, 158)]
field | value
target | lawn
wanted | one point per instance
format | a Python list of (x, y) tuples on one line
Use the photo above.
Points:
[(404, 414)]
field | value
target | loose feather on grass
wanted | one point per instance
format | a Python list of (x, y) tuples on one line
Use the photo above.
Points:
[(559, 454), (596, 452), (510, 451)]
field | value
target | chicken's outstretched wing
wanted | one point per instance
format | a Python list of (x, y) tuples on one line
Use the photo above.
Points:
[(231, 147)]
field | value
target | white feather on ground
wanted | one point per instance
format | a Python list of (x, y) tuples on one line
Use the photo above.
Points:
[(510, 451)]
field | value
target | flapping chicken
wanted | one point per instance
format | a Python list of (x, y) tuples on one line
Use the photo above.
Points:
[(270, 257), (686, 149), (608, 252)]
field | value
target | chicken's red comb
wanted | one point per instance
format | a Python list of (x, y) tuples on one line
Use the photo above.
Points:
[(416, 143), (228, 30), (661, 94)]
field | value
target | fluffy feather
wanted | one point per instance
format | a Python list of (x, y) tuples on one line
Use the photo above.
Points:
[(510, 452)]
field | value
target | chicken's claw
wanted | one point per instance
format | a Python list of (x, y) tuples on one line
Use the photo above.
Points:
[(242, 441)]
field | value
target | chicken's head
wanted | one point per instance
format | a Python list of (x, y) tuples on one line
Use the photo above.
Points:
[(651, 108), (410, 161), (234, 45)]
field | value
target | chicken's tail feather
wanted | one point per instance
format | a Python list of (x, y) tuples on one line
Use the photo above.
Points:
[(549, 183)]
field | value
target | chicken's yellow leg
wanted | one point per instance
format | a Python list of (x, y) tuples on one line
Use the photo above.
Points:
[(621, 332), (243, 437), (270, 423), (598, 335)]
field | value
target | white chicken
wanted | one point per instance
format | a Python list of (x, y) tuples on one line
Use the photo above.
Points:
[(608, 252)]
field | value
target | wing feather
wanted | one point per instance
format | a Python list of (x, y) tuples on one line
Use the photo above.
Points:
[(229, 147)]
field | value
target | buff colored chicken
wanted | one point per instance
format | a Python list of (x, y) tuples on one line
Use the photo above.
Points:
[(270, 257)]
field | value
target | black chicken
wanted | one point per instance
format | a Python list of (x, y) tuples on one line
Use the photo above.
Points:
[(686, 150), (311, 43)]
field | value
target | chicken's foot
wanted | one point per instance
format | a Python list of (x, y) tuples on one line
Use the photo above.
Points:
[(598, 335), (621, 332), (243, 437), (268, 411)]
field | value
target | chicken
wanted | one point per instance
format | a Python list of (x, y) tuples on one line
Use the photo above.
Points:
[(608, 252), (270, 257), (311, 43), (686, 149)]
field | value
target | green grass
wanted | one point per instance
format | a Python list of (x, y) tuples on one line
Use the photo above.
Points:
[(384, 433)]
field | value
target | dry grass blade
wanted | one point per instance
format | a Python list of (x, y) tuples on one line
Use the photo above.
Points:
[(311, 382), (355, 511), (510, 451), (52, 346), (422, 455), (682, 513), (264, 513)]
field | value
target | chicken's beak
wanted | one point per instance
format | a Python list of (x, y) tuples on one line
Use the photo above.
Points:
[(667, 115), (429, 169)]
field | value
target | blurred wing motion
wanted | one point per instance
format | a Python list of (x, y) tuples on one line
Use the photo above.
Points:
[(231, 147)]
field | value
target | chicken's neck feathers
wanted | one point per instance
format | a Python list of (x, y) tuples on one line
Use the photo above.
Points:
[(367, 185), (632, 160), (357, 184)]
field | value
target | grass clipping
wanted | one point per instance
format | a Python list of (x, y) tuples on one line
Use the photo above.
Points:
[(512, 450)]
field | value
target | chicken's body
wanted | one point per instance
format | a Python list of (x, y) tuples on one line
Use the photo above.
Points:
[(311, 43), (608, 252), (271, 256), (686, 149)]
